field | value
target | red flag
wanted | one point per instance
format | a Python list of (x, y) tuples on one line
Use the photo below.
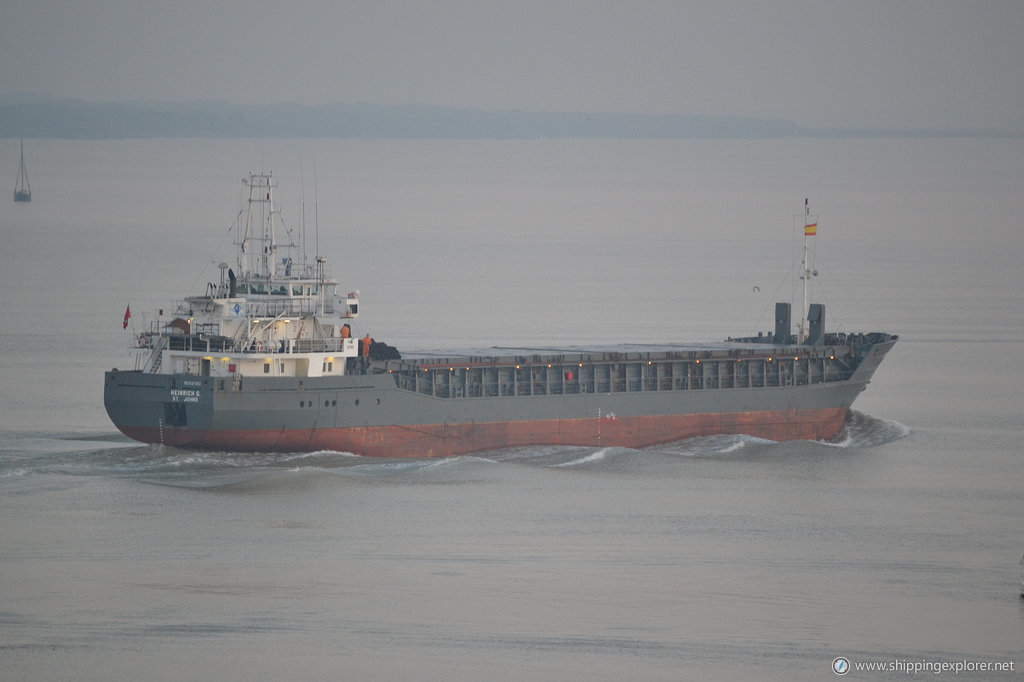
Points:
[(127, 316)]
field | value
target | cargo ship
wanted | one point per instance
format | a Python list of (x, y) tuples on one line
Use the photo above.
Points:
[(266, 359)]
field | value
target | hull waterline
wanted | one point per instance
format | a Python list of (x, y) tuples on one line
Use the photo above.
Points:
[(446, 440)]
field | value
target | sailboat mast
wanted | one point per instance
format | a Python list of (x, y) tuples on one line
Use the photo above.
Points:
[(22, 191)]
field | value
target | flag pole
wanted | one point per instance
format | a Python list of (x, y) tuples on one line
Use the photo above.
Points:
[(806, 277), (810, 230)]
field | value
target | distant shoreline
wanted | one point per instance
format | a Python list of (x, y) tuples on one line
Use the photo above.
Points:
[(31, 116)]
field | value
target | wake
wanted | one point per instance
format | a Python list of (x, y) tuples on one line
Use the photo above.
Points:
[(163, 465)]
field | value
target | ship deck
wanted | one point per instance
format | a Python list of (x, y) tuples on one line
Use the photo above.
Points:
[(570, 352), (554, 370)]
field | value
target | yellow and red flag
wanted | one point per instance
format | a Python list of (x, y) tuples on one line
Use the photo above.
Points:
[(811, 229)]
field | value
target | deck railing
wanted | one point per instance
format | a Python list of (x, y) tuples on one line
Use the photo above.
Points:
[(223, 344)]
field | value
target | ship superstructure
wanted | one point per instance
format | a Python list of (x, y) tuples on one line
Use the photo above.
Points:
[(277, 316)]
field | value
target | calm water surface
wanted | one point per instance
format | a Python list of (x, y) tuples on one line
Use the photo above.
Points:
[(714, 558)]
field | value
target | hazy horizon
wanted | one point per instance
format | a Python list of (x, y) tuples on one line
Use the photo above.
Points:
[(915, 65)]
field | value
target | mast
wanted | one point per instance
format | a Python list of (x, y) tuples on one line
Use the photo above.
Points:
[(258, 243), (810, 230), (22, 191)]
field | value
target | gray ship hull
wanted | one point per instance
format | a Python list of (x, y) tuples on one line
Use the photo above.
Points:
[(433, 406)]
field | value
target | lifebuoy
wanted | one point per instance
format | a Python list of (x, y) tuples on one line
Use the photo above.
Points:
[(143, 340), (259, 346)]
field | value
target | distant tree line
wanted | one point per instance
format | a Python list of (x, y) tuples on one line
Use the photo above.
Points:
[(28, 116)]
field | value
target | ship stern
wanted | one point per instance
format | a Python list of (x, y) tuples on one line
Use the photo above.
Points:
[(167, 409)]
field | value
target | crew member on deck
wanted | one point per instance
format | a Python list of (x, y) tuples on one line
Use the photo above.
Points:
[(366, 342)]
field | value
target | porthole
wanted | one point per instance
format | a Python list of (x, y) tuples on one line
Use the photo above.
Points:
[(378, 401), (302, 403), (357, 402), (327, 403), (334, 403)]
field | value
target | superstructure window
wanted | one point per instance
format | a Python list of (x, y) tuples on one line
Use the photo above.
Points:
[(266, 368)]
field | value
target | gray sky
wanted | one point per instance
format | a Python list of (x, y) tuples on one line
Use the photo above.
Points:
[(862, 63)]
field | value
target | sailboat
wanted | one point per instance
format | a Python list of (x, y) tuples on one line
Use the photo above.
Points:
[(22, 192)]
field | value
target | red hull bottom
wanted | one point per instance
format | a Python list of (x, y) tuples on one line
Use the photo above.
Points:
[(446, 440)]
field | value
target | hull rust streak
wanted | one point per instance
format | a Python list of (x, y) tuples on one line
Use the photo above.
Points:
[(446, 440)]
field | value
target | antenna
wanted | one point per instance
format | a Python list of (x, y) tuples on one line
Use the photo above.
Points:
[(316, 212), (320, 260), (302, 191)]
